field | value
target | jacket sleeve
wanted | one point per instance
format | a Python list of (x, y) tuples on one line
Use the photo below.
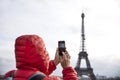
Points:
[(8, 74), (51, 68), (69, 74)]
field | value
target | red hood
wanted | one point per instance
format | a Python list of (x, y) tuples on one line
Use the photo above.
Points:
[(31, 53)]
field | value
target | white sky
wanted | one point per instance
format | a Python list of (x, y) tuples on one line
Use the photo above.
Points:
[(55, 20)]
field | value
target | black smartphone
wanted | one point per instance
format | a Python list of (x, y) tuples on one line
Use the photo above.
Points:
[(61, 47)]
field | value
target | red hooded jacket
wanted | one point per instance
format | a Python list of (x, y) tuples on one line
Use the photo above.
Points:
[(32, 56)]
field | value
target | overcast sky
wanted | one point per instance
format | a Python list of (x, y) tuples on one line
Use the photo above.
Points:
[(55, 20)]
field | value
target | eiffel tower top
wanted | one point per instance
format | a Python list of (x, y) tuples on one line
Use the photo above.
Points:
[(82, 15), (83, 32)]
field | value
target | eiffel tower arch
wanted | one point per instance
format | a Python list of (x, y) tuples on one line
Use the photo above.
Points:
[(88, 71)]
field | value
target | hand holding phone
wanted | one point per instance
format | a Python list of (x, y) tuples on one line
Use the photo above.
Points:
[(65, 60)]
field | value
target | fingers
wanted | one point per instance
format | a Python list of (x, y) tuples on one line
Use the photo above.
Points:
[(65, 60), (56, 58), (61, 59), (65, 55), (56, 51), (57, 55), (68, 56)]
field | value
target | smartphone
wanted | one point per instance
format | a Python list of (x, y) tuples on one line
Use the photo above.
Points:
[(61, 47)]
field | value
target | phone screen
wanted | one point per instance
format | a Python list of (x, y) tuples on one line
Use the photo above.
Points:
[(61, 47)]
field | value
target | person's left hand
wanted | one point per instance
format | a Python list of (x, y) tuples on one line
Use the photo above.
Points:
[(57, 58)]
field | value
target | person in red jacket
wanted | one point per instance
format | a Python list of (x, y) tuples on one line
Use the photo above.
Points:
[(32, 61)]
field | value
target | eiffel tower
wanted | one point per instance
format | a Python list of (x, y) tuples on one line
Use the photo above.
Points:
[(88, 71)]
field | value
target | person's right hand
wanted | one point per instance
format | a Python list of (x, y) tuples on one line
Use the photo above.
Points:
[(65, 59)]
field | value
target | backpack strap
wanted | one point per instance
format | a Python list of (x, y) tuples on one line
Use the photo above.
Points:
[(36, 76)]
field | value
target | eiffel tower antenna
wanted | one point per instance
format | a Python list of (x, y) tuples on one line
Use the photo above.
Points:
[(83, 32), (83, 55)]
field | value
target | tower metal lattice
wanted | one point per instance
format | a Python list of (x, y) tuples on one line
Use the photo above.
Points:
[(83, 55)]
